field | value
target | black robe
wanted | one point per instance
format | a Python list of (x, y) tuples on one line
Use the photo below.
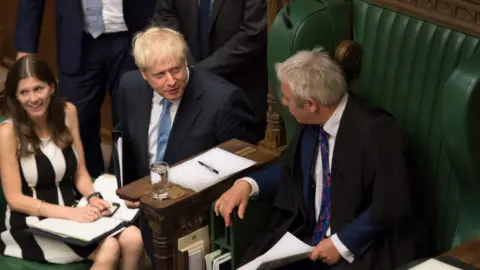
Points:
[(369, 171)]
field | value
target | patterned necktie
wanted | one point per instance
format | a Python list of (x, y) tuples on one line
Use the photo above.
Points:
[(204, 9), (324, 218), (93, 17), (164, 127)]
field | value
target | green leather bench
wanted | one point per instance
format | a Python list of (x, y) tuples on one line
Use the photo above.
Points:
[(7, 262), (427, 75)]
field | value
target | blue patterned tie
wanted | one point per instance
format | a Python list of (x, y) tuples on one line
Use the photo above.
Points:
[(204, 10), (324, 218), (164, 127), (94, 18)]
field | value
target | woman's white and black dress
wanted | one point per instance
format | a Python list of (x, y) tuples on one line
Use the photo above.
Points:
[(48, 176)]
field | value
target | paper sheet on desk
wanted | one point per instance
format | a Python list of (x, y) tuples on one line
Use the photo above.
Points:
[(287, 250), (190, 174), (434, 264)]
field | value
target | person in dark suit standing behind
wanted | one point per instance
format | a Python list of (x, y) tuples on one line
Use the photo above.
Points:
[(228, 38), (171, 112), (93, 51), (342, 185)]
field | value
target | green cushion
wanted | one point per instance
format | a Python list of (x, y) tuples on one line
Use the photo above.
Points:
[(7, 262), (424, 74), (315, 23), (417, 71)]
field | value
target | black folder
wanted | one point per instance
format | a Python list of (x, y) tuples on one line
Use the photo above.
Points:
[(127, 163)]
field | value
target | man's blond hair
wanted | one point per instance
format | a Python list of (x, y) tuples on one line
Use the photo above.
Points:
[(158, 44)]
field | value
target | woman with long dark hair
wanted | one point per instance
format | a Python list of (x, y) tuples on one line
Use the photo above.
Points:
[(41, 164)]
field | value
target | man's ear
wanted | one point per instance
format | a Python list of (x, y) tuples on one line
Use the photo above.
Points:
[(144, 74), (312, 105), (52, 88)]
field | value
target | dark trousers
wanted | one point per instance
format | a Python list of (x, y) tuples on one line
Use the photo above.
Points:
[(306, 264), (147, 236), (104, 60)]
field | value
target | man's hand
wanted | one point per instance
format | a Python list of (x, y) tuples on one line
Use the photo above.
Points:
[(237, 195), (326, 252), (22, 54), (131, 204)]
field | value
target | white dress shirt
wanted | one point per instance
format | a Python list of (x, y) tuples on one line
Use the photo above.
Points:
[(112, 13), (331, 128), (155, 113)]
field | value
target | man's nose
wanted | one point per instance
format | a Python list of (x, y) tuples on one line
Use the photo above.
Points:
[(170, 79)]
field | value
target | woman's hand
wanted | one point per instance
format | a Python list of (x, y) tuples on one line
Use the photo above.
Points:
[(84, 214), (101, 205)]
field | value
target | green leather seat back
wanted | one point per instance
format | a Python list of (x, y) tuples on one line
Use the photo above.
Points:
[(416, 70), (315, 23), (427, 76), (7, 262)]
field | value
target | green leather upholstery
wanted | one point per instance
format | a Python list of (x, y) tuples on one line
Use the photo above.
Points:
[(7, 262), (315, 23), (427, 76)]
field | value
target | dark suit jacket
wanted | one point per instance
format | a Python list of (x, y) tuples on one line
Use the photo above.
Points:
[(69, 23), (238, 42), (211, 111), (370, 192)]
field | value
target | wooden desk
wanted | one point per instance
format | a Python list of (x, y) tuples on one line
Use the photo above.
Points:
[(468, 253), (172, 219)]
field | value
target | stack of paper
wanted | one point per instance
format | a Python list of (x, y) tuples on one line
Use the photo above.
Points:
[(434, 264), (218, 165), (286, 251), (85, 232)]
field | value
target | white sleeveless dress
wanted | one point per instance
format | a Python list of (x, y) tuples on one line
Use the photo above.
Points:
[(48, 176)]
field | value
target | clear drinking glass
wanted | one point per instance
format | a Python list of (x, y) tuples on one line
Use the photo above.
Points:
[(159, 176)]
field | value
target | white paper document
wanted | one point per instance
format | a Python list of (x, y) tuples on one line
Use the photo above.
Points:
[(81, 231), (434, 264), (208, 169), (287, 250)]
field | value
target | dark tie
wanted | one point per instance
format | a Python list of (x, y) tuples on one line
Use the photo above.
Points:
[(204, 9), (323, 221), (164, 126)]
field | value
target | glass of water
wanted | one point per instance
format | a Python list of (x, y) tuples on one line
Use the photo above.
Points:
[(159, 176)]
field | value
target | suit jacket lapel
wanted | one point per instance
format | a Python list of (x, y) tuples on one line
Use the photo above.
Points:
[(187, 113), (343, 133), (143, 121), (217, 4)]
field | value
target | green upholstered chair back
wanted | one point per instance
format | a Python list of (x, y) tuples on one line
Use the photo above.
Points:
[(427, 76), (315, 23)]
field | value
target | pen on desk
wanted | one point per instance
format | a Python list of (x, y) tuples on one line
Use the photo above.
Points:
[(208, 167)]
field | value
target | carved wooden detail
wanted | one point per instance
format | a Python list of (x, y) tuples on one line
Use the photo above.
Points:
[(275, 136), (174, 218), (463, 15)]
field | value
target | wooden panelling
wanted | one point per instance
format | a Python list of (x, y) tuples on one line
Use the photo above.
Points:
[(462, 15)]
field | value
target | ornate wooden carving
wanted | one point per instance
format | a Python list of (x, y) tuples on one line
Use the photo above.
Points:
[(275, 136), (463, 15), (175, 218)]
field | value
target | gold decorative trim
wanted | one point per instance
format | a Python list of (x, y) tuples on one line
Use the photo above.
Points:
[(462, 15)]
